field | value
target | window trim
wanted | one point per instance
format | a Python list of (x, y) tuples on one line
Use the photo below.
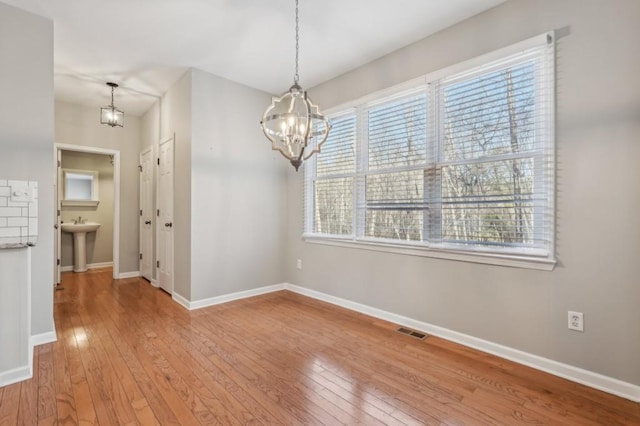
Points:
[(521, 257)]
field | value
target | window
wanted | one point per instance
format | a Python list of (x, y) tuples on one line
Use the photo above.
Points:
[(396, 160), (80, 188), (458, 165), (334, 180)]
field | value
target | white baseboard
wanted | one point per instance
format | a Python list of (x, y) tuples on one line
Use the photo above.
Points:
[(26, 372), (181, 300), (132, 274), (16, 375), (154, 282), (43, 338), (569, 372), (203, 303), (89, 266)]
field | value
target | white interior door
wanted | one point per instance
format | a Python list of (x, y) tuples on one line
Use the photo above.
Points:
[(164, 214), (146, 214), (57, 222)]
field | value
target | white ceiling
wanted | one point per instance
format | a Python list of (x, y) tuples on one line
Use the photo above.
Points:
[(145, 45)]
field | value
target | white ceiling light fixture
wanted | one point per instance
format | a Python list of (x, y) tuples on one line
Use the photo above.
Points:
[(293, 124), (110, 115)]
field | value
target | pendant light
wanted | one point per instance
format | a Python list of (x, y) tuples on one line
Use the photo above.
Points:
[(292, 123), (110, 115)]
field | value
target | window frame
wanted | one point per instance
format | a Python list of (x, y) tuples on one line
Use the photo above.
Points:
[(521, 257)]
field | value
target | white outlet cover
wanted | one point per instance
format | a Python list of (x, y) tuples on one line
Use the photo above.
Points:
[(576, 321)]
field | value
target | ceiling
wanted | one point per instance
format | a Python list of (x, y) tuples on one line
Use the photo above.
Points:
[(145, 45)]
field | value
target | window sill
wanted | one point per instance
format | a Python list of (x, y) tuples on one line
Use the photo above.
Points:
[(487, 258), (80, 203)]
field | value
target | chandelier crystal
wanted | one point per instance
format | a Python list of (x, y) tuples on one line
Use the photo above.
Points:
[(293, 124), (110, 115)]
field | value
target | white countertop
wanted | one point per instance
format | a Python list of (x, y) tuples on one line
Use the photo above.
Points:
[(15, 245)]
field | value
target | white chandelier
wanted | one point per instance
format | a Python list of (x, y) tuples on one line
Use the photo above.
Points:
[(110, 115), (293, 124)]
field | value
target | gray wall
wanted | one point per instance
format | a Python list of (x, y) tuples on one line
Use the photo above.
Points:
[(598, 234), (230, 199), (79, 125), (26, 137), (238, 197), (99, 243)]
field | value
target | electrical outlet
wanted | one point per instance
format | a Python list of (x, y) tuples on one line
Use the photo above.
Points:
[(576, 321), (299, 264)]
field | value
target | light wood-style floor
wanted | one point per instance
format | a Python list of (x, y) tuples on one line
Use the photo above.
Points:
[(127, 354)]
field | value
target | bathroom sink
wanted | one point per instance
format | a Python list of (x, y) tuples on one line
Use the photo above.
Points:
[(79, 231), (80, 227)]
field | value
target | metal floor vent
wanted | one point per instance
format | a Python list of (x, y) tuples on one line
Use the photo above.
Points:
[(411, 333)]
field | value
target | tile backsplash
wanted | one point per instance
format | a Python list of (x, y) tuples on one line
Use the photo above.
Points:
[(18, 213)]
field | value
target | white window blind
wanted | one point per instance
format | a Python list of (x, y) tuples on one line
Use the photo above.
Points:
[(333, 182), (495, 164), (464, 162), (396, 156)]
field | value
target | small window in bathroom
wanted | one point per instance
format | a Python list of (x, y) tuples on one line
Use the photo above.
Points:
[(80, 188)]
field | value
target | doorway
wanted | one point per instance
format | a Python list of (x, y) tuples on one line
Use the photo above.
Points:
[(87, 191)]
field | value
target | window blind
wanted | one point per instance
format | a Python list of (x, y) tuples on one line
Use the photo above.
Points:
[(335, 168), (394, 196), (464, 162), (495, 164)]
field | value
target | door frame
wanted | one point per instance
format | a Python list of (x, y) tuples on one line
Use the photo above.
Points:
[(57, 210), (116, 194)]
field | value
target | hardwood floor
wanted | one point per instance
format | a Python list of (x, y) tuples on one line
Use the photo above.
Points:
[(127, 354)]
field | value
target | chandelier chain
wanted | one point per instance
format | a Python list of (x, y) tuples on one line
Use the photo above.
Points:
[(296, 77), (112, 88)]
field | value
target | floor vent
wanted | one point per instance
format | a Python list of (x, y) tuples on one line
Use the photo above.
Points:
[(411, 333)]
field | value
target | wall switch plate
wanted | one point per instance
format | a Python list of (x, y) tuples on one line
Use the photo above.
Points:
[(576, 321), (299, 264), (21, 194)]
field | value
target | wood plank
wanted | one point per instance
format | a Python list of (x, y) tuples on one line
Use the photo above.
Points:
[(65, 401), (83, 402), (46, 382), (105, 411), (9, 405)]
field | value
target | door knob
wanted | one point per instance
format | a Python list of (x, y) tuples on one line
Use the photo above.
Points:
[(169, 224), (147, 222)]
